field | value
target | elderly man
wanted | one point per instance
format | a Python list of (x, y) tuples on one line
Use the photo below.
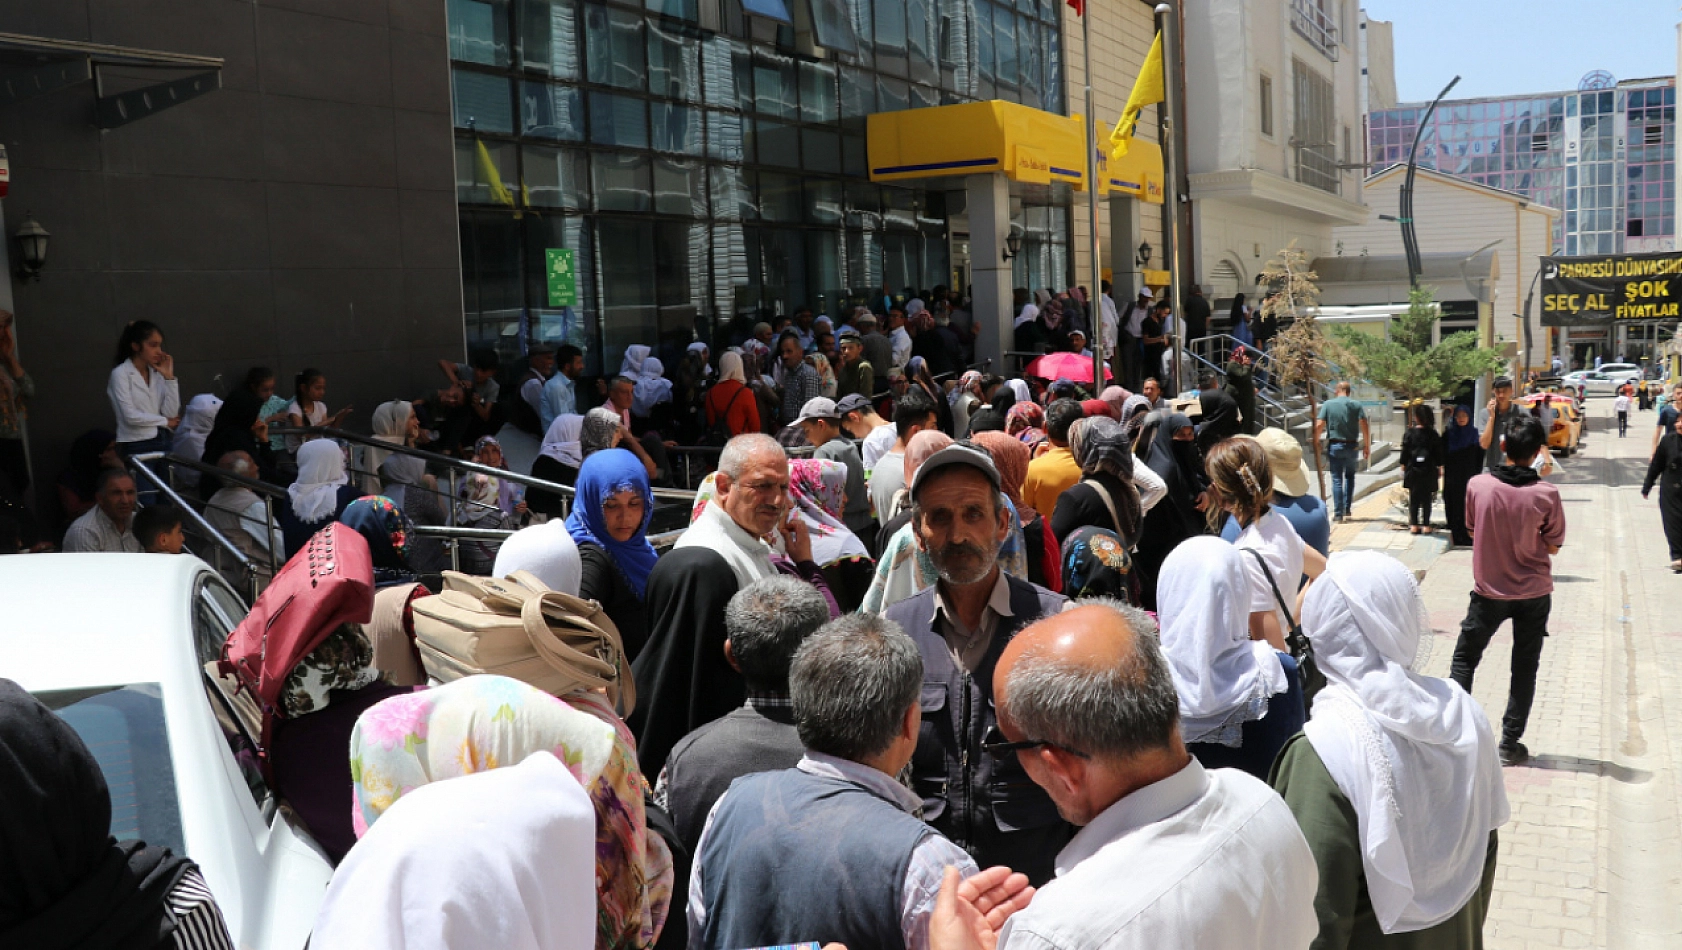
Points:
[(683, 679), (1169, 854), (831, 850), (109, 524), (962, 624), (766, 623), (239, 515), (853, 374)]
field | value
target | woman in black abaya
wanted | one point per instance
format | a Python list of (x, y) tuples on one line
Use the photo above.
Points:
[(1666, 469), (1174, 457), (683, 680), (1462, 461), (64, 881)]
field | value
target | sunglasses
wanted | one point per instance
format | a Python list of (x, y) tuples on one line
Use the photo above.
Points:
[(997, 746)]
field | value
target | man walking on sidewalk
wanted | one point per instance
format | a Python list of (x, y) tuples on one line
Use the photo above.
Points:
[(1343, 423), (1517, 524)]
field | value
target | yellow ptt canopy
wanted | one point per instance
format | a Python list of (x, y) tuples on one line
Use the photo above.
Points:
[(1022, 143)]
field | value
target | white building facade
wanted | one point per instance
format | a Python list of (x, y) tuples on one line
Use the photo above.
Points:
[(1273, 101)]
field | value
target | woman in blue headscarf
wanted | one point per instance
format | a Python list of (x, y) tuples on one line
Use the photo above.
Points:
[(609, 522), (1462, 459)]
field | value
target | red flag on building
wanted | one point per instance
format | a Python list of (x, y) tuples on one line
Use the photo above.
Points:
[(1080, 7)]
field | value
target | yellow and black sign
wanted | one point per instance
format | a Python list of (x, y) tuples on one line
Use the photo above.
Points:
[(1624, 288)]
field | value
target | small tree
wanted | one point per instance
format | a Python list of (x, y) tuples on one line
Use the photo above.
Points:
[(1300, 351), (1408, 363)]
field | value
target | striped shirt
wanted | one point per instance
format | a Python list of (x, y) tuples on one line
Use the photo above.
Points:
[(198, 921)]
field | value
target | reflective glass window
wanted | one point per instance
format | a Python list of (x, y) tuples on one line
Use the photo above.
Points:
[(548, 38), (725, 139), (822, 150), (478, 31), (480, 163), (556, 178), (624, 249), (618, 120), (732, 194), (681, 9), (890, 36), (779, 198), (1004, 42), (483, 103), (617, 54), (823, 201), (984, 63), (777, 144), (680, 187), (833, 26), (676, 128), (772, 9), (892, 95), (858, 93), (551, 111), (776, 91), (920, 39), (924, 97), (674, 68), (817, 92), (621, 181)]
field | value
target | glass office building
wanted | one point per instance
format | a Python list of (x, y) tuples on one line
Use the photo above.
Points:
[(705, 159), (1604, 156)]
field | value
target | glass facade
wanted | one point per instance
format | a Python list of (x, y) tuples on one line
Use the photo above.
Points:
[(707, 165), (1605, 157)]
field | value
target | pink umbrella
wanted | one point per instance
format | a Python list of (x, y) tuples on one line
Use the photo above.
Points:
[(1071, 366)]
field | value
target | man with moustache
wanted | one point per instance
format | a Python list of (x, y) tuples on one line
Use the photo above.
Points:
[(986, 804)]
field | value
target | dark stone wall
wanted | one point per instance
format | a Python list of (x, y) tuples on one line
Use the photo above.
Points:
[(302, 215)]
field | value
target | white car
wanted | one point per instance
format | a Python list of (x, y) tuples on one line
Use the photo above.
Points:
[(117, 645), (1606, 379)]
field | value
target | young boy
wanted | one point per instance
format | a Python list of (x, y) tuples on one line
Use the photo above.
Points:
[(158, 529)]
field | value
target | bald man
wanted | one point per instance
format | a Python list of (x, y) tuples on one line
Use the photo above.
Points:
[(1168, 854)]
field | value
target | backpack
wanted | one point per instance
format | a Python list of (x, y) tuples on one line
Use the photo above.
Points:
[(328, 583), (519, 628), (719, 432)]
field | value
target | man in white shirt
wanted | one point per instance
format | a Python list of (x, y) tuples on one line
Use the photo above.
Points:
[(242, 517), (1110, 320), (913, 413), (108, 527), (900, 338), (1169, 854), (560, 394), (860, 421)]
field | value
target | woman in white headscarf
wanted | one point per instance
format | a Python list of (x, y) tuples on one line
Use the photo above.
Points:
[(547, 551), (520, 845), (647, 374), (394, 422), (320, 494), (197, 419), (1396, 781), (557, 461), (1240, 700)]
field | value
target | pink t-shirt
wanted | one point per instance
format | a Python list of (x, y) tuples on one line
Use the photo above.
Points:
[(1512, 529)]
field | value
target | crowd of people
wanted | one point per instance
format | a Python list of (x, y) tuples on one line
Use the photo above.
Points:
[(968, 663)]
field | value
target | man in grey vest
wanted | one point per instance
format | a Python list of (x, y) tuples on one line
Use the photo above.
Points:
[(766, 622), (830, 851), (961, 625)]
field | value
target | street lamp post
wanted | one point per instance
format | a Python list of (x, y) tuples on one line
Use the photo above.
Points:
[(1410, 241)]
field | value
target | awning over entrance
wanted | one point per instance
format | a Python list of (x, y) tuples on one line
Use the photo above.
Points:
[(1024, 144), (33, 66)]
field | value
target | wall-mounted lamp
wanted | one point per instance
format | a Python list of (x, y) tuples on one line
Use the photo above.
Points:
[(1013, 245), (32, 248), (1144, 256)]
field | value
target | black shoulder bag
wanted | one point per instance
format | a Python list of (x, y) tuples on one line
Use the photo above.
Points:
[(1302, 650)]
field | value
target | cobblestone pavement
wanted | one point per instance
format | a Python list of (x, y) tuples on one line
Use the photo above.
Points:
[(1593, 854)]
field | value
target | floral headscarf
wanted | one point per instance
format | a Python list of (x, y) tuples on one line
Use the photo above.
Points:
[(816, 487), (485, 722), (389, 533), (826, 374), (1026, 421), (1096, 564)]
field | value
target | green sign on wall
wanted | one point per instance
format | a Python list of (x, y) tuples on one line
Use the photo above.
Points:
[(562, 276)]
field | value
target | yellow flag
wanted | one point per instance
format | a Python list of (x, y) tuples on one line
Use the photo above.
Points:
[(493, 177), (1147, 90)]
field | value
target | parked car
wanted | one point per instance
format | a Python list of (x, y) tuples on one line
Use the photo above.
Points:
[(123, 647), (1606, 379)]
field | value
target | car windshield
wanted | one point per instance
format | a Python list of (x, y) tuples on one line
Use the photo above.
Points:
[(123, 727)]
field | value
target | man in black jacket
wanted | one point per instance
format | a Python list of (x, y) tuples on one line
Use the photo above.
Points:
[(986, 805)]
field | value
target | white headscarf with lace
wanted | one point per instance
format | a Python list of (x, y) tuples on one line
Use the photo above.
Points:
[(648, 376), (1414, 754), (1224, 679)]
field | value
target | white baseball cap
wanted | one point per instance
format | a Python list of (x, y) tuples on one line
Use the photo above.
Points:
[(817, 407)]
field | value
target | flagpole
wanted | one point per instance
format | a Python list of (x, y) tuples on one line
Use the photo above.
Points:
[(1094, 308), (1168, 23)]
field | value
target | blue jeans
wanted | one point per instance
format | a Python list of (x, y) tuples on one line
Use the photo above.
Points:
[(1343, 458)]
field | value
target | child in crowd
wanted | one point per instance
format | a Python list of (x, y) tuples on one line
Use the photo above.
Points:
[(158, 529)]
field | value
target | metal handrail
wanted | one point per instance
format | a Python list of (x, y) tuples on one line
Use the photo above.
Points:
[(199, 522), (662, 539)]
